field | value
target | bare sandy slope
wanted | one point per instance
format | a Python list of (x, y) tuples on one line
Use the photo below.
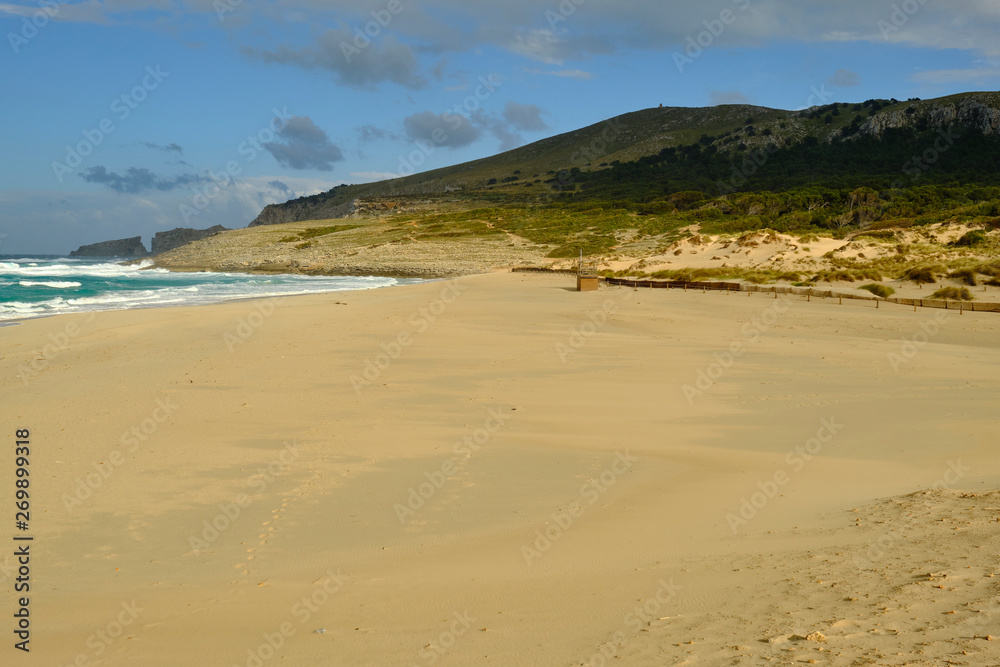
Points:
[(538, 477)]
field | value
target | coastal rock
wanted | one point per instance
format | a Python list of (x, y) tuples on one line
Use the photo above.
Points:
[(305, 209), (175, 238), (131, 247)]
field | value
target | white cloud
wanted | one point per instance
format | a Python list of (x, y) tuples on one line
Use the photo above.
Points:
[(845, 78), (523, 27), (336, 51), (952, 76), (567, 73)]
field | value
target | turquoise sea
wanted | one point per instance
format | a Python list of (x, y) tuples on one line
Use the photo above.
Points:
[(49, 285)]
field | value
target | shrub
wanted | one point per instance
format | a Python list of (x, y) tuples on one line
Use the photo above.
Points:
[(923, 274), (880, 234), (968, 276), (989, 269), (868, 274), (953, 294), (883, 291), (973, 238), (839, 275)]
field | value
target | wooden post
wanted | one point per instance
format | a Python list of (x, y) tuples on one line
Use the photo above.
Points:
[(841, 301)]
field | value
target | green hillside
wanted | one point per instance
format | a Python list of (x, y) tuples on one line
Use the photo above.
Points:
[(834, 169)]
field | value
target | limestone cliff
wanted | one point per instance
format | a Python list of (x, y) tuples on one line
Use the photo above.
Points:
[(175, 238), (309, 208), (131, 247), (966, 114)]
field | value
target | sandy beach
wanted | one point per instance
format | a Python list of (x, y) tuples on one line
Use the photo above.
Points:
[(498, 470)]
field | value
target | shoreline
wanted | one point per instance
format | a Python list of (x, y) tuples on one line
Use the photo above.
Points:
[(146, 306), (331, 272), (222, 465)]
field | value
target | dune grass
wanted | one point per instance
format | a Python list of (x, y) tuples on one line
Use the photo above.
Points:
[(953, 294), (877, 289)]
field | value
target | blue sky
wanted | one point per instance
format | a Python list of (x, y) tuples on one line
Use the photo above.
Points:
[(125, 118)]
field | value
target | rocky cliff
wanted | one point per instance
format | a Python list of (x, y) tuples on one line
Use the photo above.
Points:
[(294, 211), (968, 114), (175, 238), (131, 247)]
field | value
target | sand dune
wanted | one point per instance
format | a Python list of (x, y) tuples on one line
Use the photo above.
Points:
[(501, 471)]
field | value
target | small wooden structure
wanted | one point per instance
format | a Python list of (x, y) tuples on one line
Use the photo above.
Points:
[(587, 278)]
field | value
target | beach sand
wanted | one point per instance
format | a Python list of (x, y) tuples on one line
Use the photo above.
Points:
[(498, 470)]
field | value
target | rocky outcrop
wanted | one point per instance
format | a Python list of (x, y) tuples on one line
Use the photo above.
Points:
[(175, 238), (294, 211), (131, 247), (969, 114)]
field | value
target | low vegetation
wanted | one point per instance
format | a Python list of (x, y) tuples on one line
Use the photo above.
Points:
[(924, 274), (877, 289), (953, 294)]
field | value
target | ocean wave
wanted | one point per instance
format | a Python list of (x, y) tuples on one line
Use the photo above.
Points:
[(108, 286), (60, 270), (48, 283)]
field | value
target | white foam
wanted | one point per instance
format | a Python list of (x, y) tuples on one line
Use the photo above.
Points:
[(107, 270), (48, 283), (166, 288)]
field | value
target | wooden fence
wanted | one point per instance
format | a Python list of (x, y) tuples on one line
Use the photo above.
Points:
[(674, 284), (961, 306), (973, 306), (537, 269)]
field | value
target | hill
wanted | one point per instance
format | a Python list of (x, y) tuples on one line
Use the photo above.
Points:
[(655, 153), (846, 192)]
